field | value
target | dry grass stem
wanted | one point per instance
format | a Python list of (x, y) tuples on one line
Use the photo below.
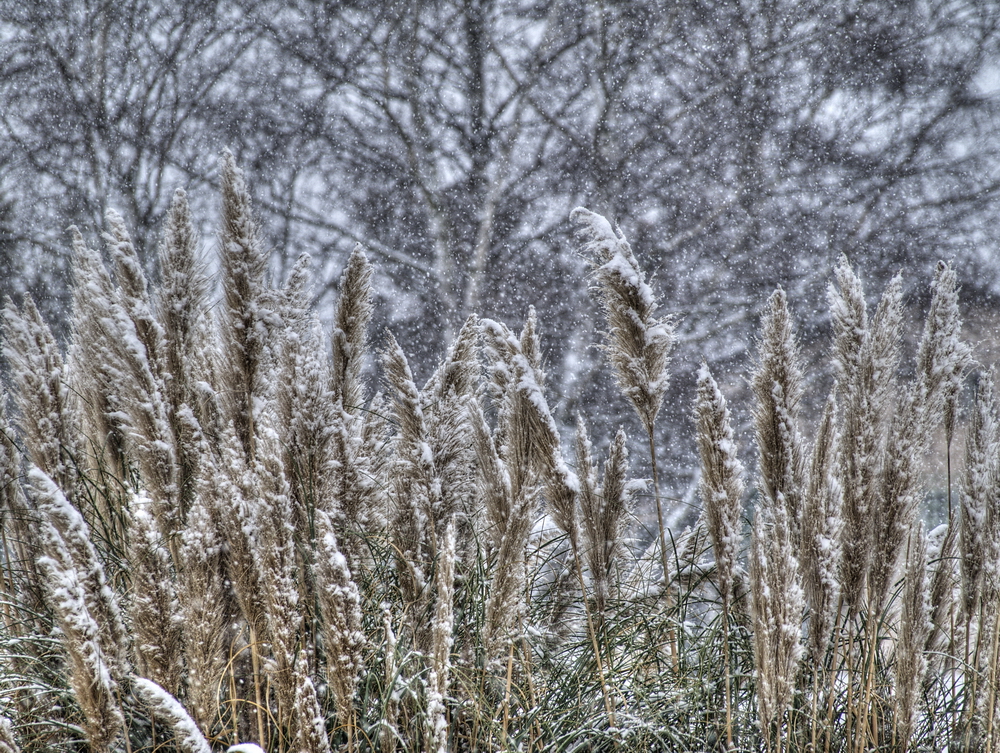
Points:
[(722, 483), (777, 598)]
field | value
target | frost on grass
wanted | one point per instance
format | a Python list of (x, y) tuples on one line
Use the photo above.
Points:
[(73, 559), (166, 708), (90, 675), (340, 608), (154, 610), (8, 740)]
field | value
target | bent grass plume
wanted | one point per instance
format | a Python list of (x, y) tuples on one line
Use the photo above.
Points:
[(212, 533)]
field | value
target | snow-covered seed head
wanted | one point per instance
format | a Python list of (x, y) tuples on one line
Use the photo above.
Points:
[(638, 343), (721, 478), (777, 386)]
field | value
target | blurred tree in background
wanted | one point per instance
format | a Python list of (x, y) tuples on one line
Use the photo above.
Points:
[(741, 145)]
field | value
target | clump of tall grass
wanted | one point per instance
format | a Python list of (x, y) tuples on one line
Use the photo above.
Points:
[(217, 529)]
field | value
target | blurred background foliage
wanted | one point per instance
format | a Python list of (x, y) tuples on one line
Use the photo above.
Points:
[(740, 145)]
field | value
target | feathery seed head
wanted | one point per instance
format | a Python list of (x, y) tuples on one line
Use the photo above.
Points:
[(979, 492), (777, 386), (49, 419), (350, 338), (942, 357), (638, 343), (867, 354), (309, 722), (166, 708), (721, 478), (247, 319), (180, 297), (822, 529), (8, 741)]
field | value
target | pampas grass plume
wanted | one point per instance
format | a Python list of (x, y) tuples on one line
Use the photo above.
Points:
[(638, 343), (350, 334), (721, 483), (168, 710), (8, 741)]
